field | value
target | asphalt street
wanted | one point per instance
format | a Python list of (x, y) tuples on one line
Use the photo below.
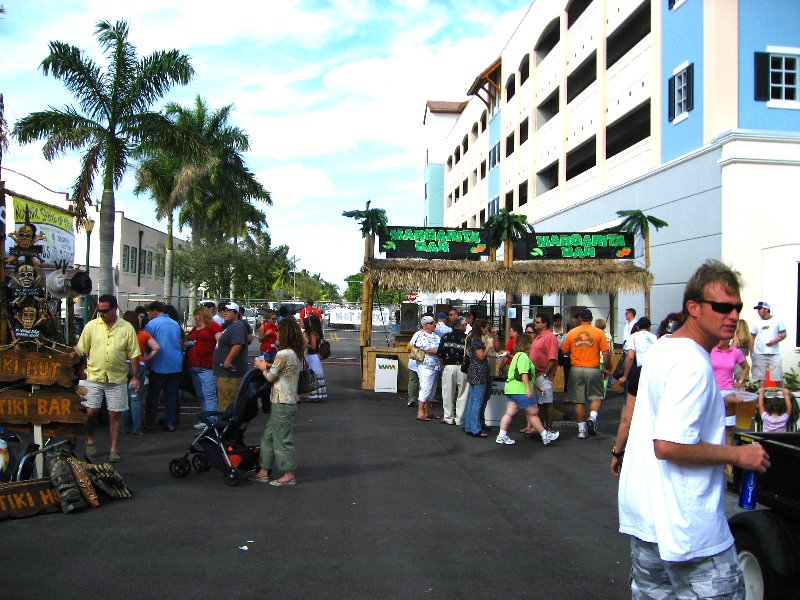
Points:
[(385, 507)]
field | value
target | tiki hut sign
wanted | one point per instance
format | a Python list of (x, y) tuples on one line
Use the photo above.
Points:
[(614, 245), (434, 242)]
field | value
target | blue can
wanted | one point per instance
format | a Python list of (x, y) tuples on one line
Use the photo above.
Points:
[(749, 490)]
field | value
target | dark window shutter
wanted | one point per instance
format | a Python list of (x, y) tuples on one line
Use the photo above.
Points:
[(762, 75), (690, 87), (671, 99)]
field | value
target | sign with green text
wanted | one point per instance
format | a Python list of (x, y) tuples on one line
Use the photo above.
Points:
[(552, 246), (434, 242)]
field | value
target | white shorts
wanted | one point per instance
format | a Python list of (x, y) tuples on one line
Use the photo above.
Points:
[(547, 385), (115, 394)]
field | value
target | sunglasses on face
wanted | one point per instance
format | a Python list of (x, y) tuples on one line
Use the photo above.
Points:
[(723, 308)]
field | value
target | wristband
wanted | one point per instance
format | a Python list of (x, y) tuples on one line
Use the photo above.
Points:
[(616, 454)]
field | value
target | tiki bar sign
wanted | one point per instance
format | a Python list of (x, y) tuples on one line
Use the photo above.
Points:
[(608, 245), (434, 242)]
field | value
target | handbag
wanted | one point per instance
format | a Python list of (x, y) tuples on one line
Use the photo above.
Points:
[(465, 362), (306, 380), (324, 349), (415, 353), (517, 374), (619, 370)]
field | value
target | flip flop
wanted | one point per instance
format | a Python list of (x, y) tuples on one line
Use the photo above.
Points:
[(435, 417), (279, 483), (423, 419)]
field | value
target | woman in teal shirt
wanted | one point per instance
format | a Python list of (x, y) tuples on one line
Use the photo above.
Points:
[(521, 394)]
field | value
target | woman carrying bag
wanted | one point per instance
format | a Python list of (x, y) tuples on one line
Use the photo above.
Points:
[(521, 394)]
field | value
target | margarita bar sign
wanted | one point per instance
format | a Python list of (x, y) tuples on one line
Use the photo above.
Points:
[(549, 246), (434, 242)]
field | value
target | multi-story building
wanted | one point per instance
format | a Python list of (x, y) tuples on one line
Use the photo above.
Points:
[(687, 110)]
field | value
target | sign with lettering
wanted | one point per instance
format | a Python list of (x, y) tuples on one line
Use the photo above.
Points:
[(55, 223), (27, 498), (551, 246), (434, 242), (41, 406), (38, 368)]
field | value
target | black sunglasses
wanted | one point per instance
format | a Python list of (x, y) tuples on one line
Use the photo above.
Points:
[(724, 308)]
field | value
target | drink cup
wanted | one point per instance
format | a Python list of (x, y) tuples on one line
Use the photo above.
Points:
[(745, 411)]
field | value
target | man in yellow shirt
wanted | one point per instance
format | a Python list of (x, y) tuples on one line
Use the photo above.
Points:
[(585, 345), (110, 345)]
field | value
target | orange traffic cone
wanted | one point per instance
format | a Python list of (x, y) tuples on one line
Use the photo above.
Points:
[(768, 383)]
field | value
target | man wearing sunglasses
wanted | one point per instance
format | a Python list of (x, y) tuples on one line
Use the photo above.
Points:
[(109, 343), (766, 333), (672, 486)]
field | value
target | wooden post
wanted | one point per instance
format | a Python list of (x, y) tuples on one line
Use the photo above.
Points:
[(3, 289), (508, 263), (365, 334)]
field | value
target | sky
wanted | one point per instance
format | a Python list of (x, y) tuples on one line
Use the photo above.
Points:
[(332, 94)]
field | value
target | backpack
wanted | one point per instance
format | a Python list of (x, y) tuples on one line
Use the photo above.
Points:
[(324, 349)]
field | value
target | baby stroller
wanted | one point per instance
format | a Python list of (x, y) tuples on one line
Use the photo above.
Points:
[(220, 444)]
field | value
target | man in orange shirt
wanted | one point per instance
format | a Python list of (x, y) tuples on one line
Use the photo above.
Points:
[(584, 344)]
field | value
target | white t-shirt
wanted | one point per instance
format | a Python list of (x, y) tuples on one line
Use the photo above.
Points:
[(765, 330), (626, 333), (681, 508), (640, 342)]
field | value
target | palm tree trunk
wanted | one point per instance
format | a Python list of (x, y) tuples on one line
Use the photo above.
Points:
[(105, 283), (508, 263), (168, 259), (365, 334), (646, 236)]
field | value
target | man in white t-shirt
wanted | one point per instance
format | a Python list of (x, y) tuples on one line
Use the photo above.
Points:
[(766, 333), (630, 318), (671, 487)]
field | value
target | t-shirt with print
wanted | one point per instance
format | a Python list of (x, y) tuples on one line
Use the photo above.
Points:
[(584, 344), (478, 371), (425, 341), (765, 330)]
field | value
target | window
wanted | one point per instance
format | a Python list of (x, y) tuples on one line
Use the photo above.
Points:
[(776, 76), (494, 156), (523, 193), (483, 169), (160, 265), (482, 220), (681, 93), (523, 132), (125, 252), (509, 201), (511, 88), (576, 9), (547, 109), (456, 194), (133, 261), (494, 207), (483, 121), (464, 188), (548, 40), (143, 262), (465, 145), (510, 145), (582, 77), (524, 69), (474, 177), (474, 131), (449, 200), (149, 262), (457, 154), (449, 163)]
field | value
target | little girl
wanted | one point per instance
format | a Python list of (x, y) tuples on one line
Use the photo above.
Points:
[(775, 409)]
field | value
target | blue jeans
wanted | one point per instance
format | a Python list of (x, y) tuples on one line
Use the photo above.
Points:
[(169, 382), (134, 412), (472, 423), (717, 576), (205, 388)]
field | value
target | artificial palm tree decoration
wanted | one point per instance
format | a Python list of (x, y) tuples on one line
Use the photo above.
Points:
[(637, 222), (113, 118), (373, 222), (504, 228)]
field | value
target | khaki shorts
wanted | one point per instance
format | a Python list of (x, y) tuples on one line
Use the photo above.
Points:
[(227, 388), (762, 362), (115, 394), (585, 384)]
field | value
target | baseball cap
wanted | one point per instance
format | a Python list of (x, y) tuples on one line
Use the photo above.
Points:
[(441, 315), (585, 315), (427, 319), (232, 306), (762, 304)]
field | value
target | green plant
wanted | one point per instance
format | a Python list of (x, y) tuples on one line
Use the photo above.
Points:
[(791, 379)]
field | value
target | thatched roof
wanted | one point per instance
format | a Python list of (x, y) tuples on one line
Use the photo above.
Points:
[(529, 277)]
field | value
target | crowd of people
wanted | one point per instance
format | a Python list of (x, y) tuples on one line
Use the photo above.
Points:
[(134, 361)]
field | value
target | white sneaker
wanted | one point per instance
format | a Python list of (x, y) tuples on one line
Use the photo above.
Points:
[(592, 425), (504, 439), (582, 435), (550, 436)]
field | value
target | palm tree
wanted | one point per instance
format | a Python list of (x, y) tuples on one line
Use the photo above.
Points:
[(373, 222), (637, 222), (113, 118)]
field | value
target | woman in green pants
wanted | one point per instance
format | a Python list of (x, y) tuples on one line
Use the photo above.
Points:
[(277, 441)]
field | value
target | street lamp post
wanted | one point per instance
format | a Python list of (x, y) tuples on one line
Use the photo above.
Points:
[(89, 225)]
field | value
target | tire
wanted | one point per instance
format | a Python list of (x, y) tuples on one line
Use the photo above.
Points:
[(179, 467), (761, 582), (232, 476), (200, 463)]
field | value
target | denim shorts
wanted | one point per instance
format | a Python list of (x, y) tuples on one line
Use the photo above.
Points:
[(717, 576), (522, 400)]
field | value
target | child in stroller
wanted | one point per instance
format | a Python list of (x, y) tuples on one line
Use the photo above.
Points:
[(220, 444)]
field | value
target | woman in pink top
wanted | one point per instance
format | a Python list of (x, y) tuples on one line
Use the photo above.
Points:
[(724, 359)]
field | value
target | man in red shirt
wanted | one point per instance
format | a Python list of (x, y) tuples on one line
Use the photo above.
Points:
[(584, 344), (268, 336), (544, 356), (309, 310)]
